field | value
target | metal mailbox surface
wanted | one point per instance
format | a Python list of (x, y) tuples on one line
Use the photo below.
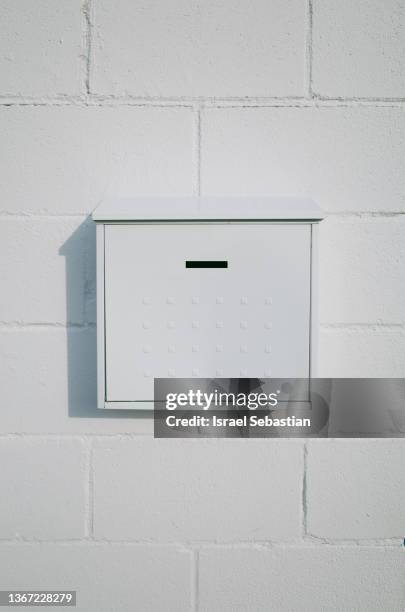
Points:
[(207, 300)]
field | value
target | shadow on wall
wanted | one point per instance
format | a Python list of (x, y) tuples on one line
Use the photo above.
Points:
[(80, 255), (378, 409)]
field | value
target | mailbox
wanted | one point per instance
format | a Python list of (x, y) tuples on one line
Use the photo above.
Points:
[(203, 287)]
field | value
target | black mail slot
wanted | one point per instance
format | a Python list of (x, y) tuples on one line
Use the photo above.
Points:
[(206, 264)]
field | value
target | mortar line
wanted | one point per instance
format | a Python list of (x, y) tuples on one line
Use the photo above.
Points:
[(304, 490), (309, 50), (195, 581), (81, 437), (85, 436), (87, 491), (44, 215), (22, 541), (90, 484), (315, 101), (87, 34), (310, 542), (363, 326), (92, 100), (345, 214), (356, 326), (190, 102), (13, 325), (197, 150)]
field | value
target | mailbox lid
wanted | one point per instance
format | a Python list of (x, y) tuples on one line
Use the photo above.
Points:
[(164, 319), (208, 209)]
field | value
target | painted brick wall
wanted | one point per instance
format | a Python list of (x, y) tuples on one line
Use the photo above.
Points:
[(131, 97)]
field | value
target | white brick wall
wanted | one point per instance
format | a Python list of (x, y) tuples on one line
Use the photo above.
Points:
[(198, 490), (302, 579), (98, 98), (365, 289), (40, 47), (31, 264), (43, 485), (359, 48), (369, 474), (107, 577), (350, 159), (65, 159), (211, 48)]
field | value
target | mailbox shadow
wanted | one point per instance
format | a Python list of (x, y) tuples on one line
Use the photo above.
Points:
[(79, 251)]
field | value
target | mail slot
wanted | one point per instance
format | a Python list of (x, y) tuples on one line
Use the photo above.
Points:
[(206, 264), (203, 287)]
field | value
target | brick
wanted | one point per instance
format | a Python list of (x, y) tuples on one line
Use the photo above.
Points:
[(348, 159), (42, 270), (43, 488), (106, 577), (356, 489), (370, 407), (362, 267), (358, 48), (369, 352), (48, 385), (40, 47), (304, 579), (197, 490), (66, 159), (199, 49)]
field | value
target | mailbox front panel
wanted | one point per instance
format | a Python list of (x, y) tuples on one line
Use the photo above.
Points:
[(204, 300)]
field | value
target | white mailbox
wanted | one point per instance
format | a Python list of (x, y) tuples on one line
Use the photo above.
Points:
[(203, 287)]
